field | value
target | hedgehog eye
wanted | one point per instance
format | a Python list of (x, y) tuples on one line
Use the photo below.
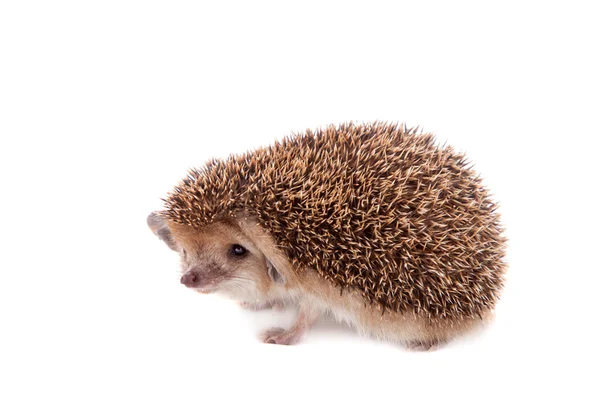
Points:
[(184, 252), (238, 250)]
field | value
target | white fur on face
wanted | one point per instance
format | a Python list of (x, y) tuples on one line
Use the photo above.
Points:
[(241, 287)]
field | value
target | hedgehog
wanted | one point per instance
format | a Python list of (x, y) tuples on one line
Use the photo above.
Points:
[(375, 224)]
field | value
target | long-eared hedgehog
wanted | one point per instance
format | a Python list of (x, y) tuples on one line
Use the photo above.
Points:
[(374, 223)]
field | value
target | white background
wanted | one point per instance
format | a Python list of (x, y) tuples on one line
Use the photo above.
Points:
[(105, 105)]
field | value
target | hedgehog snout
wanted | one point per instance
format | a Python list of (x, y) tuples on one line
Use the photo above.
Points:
[(191, 279)]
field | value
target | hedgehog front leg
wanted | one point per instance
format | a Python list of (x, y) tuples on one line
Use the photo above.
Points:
[(307, 316)]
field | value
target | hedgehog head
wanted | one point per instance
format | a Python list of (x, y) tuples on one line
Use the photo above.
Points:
[(219, 257)]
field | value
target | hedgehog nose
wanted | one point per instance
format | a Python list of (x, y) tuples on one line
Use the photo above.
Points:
[(190, 279)]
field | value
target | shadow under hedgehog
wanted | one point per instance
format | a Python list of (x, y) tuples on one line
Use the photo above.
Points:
[(374, 224)]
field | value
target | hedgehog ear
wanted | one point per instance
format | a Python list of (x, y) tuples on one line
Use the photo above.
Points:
[(274, 274), (159, 227)]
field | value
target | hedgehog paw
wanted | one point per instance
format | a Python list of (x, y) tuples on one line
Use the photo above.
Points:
[(279, 336), (423, 345)]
